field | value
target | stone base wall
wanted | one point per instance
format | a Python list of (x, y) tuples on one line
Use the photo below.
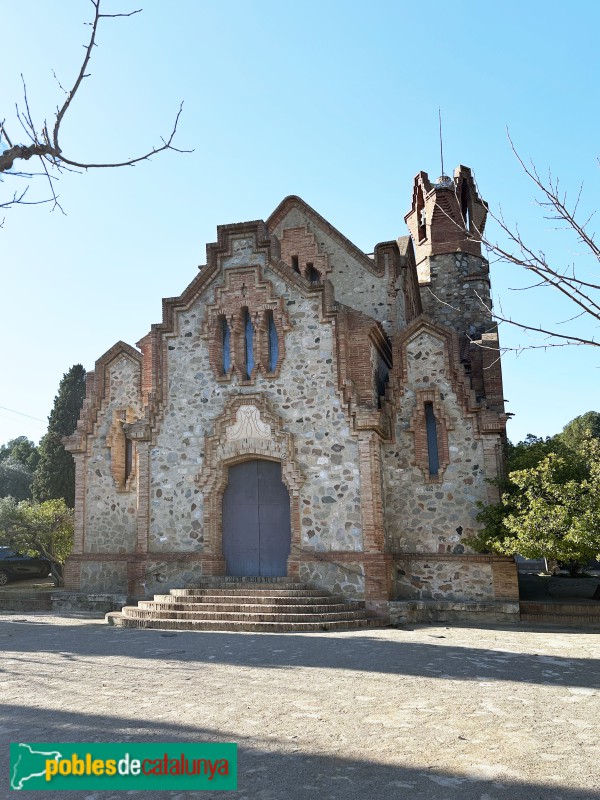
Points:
[(138, 575), (96, 604), (346, 579), (471, 578), (432, 611), (155, 574), (160, 578), (103, 576)]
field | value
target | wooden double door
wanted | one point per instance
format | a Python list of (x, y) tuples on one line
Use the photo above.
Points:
[(256, 520)]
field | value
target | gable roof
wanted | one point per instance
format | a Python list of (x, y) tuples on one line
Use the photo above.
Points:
[(293, 201)]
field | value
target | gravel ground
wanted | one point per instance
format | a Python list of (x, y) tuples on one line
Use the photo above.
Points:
[(427, 712)]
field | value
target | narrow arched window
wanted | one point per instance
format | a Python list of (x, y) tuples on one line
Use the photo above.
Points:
[(432, 440), (248, 344), (128, 458), (226, 346), (273, 342)]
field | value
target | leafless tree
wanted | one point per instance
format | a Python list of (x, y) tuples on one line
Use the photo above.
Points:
[(576, 282), (44, 139)]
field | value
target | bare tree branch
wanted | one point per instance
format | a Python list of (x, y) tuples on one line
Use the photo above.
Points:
[(46, 146), (571, 282), (167, 145)]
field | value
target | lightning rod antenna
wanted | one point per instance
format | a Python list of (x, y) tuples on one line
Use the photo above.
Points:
[(441, 141)]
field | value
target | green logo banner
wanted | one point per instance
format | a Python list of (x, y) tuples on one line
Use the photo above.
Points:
[(123, 766)]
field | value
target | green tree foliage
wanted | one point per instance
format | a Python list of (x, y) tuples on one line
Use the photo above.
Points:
[(550, 503), (44, 529), (575, 432), (55, 474), (523, 455), (556, 513), (530, 452), (15, 479), (22, 450)]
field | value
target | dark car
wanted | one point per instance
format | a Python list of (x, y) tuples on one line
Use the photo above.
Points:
[(14, 566)]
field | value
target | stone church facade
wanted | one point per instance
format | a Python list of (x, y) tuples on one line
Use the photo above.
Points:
[(304, 409)]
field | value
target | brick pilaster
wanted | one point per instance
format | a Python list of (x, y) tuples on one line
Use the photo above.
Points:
[(143, 496), (72, 568), (371, 498), (505, 580), (378, 582), (79, 459), (136, 571), (72, 574)]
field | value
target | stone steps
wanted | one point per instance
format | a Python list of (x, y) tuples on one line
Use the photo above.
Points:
[(248, 607), (243, 615), (238, 604), (231, 597), (120, 621), (297, 591)]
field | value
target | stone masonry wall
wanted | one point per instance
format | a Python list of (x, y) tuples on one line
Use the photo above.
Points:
[(110, 515), (346, 579), (444, 580), (108, 576), (419, 515), (354, 285), (304, 396), (451, 288), (160, 577)]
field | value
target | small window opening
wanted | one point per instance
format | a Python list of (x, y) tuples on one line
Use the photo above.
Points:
[(432, 440), (382, 379), (248, 345), (128, 458), (273, 342), (313, 275), (465, 202), (295, 265)]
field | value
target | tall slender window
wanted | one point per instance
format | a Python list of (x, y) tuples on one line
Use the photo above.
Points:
[(295, 265), (128, 458), (432, 440), (273, 342), (226, 345), (248, 345)]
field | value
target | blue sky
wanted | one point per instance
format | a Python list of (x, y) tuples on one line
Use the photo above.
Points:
[(334, 101)]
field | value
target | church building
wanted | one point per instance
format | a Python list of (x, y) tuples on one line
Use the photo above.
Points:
[(305, 409)]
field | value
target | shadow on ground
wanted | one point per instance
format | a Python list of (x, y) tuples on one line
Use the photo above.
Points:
[(29, 640), (268, 770)]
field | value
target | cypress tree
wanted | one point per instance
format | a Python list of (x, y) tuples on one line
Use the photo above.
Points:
[(55, 474)]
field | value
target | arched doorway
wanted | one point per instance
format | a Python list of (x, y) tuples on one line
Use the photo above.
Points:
[(256, 520)]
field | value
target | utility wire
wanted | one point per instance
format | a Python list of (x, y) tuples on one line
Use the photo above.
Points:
[(12, 411)]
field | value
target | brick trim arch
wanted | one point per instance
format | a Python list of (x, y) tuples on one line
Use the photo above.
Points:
[(116, 443), (418, 426), (245, 288), (236, 440)]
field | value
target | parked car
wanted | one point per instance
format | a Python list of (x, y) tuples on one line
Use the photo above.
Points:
[(15, 566)]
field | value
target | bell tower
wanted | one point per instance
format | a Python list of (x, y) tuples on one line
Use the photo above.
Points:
[(446, 223)]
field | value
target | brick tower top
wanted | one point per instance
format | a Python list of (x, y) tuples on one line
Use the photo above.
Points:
[(446, 216)]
